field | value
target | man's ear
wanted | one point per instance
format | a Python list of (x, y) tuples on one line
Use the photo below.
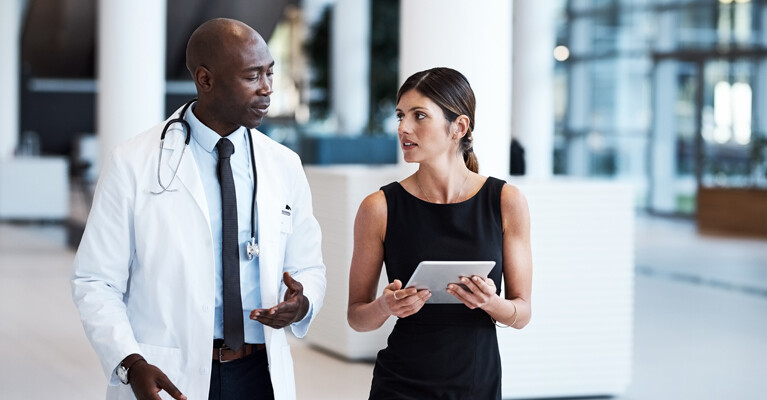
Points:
[(203, 78)]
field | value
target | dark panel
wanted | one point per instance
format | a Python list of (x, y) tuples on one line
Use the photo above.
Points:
[(184, 16), (58, 42), (58, 118), (59, 36)]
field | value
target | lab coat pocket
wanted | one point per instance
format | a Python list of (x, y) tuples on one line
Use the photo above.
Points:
[(286, 220), (167, 359)]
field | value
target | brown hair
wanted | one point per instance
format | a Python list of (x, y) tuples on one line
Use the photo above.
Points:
[(451, 91)]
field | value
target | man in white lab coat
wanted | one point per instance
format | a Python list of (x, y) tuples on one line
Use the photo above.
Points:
[(148, 278)]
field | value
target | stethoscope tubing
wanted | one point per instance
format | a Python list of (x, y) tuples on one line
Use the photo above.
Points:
[(187, 129)]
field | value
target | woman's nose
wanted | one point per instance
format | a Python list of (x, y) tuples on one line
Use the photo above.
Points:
[(403, 128)]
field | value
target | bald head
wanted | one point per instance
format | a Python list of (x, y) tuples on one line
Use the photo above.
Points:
[(232, 70), (215, 40)]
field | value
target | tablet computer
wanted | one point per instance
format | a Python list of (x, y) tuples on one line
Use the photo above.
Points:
[(436, 275)]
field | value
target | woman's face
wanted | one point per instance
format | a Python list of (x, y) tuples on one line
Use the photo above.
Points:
[(423, 130)]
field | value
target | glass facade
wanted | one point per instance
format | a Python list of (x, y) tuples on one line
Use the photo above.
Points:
[(663, 94)]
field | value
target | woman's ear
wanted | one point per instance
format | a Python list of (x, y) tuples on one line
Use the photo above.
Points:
[(460, 126)]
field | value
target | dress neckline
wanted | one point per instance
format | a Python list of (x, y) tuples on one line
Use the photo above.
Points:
[(487, 179)]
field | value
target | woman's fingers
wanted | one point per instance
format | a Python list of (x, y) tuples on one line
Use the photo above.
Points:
[(474, 292), (404, 293), (409, 301), (414, 303)]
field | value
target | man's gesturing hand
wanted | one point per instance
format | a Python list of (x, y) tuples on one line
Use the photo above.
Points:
[(293, 309), (147, 381)]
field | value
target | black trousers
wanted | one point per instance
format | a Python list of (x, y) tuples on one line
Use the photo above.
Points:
[(246, 378)]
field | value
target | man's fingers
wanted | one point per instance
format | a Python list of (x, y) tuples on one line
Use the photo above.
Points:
[(277, 321), (278, 316), (287, 278), (168, 386), (292, 284)]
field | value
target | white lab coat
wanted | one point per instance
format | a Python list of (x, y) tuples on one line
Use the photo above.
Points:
[(143, 277)]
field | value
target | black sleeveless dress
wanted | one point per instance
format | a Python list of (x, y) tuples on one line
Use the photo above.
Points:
[(444, 351)]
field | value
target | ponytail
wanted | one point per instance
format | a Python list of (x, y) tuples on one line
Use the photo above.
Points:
[(467, 148)]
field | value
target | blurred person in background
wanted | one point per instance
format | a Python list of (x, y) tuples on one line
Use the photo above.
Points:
[(201, 247), (445, 211)]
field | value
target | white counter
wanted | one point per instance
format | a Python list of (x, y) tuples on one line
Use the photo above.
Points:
[(34, 188), (579, 342)]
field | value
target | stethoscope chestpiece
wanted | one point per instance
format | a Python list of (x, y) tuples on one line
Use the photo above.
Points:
[(252, 248)]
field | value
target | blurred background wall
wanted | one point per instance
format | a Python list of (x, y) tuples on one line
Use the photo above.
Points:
[(600, 110), (662, 94)]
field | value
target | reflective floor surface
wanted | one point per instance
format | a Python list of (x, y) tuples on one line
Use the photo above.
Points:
[(700, 321)]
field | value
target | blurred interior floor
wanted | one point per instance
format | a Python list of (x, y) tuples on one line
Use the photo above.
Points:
[(700, 321)]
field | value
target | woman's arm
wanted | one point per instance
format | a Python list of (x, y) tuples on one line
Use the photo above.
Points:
[(365, 311), (515, 309)]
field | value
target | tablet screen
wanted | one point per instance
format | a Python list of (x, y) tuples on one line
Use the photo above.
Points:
[(436, 275)]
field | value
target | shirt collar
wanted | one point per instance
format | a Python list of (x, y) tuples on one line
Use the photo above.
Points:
[(208, 138)]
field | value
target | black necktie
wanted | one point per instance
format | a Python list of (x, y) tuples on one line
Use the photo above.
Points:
[(230, 255)]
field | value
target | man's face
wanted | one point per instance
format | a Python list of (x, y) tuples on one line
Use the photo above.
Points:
[(243, 83)]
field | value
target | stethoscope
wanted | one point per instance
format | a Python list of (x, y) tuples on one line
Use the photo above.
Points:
[(252, 246)]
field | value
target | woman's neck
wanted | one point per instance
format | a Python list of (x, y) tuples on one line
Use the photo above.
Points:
[(442, 185)]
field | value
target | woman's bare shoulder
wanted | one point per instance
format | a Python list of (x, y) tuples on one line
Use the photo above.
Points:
[(513, 201), (373, 206)]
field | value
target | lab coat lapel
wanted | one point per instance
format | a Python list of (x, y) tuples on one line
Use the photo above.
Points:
[(177, 153), (267, 199)]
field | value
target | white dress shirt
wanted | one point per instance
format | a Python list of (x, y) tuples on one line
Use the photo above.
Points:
[(203, 146)]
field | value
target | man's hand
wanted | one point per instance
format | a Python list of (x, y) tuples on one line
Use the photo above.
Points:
[(147, 381), (293, 309)]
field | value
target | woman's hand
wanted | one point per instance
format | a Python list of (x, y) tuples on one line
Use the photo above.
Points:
[(402, 302), (480, 293)]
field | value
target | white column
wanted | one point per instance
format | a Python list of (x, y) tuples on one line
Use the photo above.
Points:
[(475, 39), (350, 65), (532, 112), (10, 48), (579, 95), (760, 86), (663, 143), (131, 70)]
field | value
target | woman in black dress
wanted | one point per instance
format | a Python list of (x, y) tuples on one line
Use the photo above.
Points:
[(445, 211)]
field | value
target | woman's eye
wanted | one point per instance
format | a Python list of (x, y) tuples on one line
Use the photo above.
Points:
[(400, 117), (420, 115)]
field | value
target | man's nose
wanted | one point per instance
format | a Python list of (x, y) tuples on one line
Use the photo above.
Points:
[(266, 89)]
